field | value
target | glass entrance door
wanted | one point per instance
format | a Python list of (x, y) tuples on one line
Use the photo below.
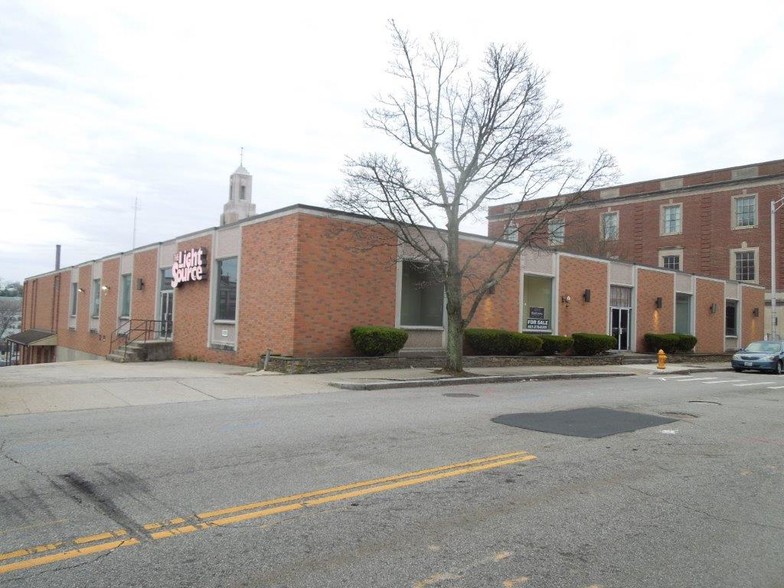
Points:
[(619, 321), (167, 313)]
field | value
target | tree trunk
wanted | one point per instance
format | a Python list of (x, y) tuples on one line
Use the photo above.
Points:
[(454, 303)]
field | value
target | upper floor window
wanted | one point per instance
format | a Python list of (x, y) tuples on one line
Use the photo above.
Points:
[(556, 230), (610, 226), (671, 262), (745, 265), (745, 213), (510, 231), (226, 307), (672, 219)]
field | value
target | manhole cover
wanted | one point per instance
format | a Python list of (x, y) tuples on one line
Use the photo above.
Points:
[(461, 395), (583, 422)]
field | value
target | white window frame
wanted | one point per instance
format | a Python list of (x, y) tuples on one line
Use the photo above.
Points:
[(733, 266), (510, 231), (663, 219), (734, 214), (616, 226), (677, 252), (556, 231)]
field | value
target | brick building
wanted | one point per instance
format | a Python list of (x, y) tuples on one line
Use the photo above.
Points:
[(715, 223), (294, 281)]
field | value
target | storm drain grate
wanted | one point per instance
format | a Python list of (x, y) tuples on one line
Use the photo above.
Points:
[(583, 422)]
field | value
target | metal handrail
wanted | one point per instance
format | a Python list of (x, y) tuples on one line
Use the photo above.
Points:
[(134, 329)]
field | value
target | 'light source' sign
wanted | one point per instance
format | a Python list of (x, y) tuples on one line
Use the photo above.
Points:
[(189, 266)]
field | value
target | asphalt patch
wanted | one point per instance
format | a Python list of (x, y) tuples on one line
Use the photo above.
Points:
[(592, 423)]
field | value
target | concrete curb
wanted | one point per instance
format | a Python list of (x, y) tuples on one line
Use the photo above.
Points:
[(430, 383)]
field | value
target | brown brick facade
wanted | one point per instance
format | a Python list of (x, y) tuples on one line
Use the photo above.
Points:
[(305, 278), (575, 276), (653, 284)]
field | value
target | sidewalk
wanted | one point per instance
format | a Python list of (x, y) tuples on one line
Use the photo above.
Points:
[(86, 385)]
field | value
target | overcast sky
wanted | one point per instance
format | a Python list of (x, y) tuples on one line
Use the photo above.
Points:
[(105, 102)]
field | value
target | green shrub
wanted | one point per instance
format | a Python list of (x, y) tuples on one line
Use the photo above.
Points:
[(687, 343), (593, 343), (500, 342), (552, 344), (376, 341), (670, 342)]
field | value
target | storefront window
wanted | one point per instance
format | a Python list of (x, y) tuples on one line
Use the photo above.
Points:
[(538, 302), (226, 308), (96, 310), (422, 298)]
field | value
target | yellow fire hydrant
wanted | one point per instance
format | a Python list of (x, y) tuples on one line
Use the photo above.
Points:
[(662, 359)]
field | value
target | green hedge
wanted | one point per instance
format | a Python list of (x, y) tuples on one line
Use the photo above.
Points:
[(593, 343), (670, 342), (500, 342), (552, 344), (376, 341)]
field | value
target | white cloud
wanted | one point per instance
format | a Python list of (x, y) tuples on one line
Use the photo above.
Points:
[(102, 104)]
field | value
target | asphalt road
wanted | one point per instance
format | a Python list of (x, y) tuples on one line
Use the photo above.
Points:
[(402, 488)]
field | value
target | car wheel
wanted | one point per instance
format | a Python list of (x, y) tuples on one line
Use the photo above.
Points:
[(738, 370), (779, 368)]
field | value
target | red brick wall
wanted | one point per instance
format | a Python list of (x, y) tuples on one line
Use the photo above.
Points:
[(652, 284), (752, 328), (145, 266), (709, 326), (341, 283), (575, 276), (268, 267), (110, 277), (500, 310), (706, 239), (191, 312)]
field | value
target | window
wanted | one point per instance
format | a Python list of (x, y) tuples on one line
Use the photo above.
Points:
[(74, 293), (556, 230), (226, 307), (671, 219), (96, 306), (242, 192), (610, 226), (671, 262), (731, 319), (620, 297), (421, 297), (125, 295), (745, 267), (538, 302), (510, 231), (745, 211)]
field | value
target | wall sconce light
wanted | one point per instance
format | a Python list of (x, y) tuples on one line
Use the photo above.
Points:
[(713, 308), (105, 288), (659, 302), (139, 284), (80, 290), (566, 299), (755, 311), (587, 295)]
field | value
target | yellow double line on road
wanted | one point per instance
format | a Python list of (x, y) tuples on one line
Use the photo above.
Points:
[(23, 559)]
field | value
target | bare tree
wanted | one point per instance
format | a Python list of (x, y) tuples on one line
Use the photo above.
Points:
[(10, 310), (477, 138)]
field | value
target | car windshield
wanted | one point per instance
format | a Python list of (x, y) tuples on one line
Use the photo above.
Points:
[(764, 347)]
